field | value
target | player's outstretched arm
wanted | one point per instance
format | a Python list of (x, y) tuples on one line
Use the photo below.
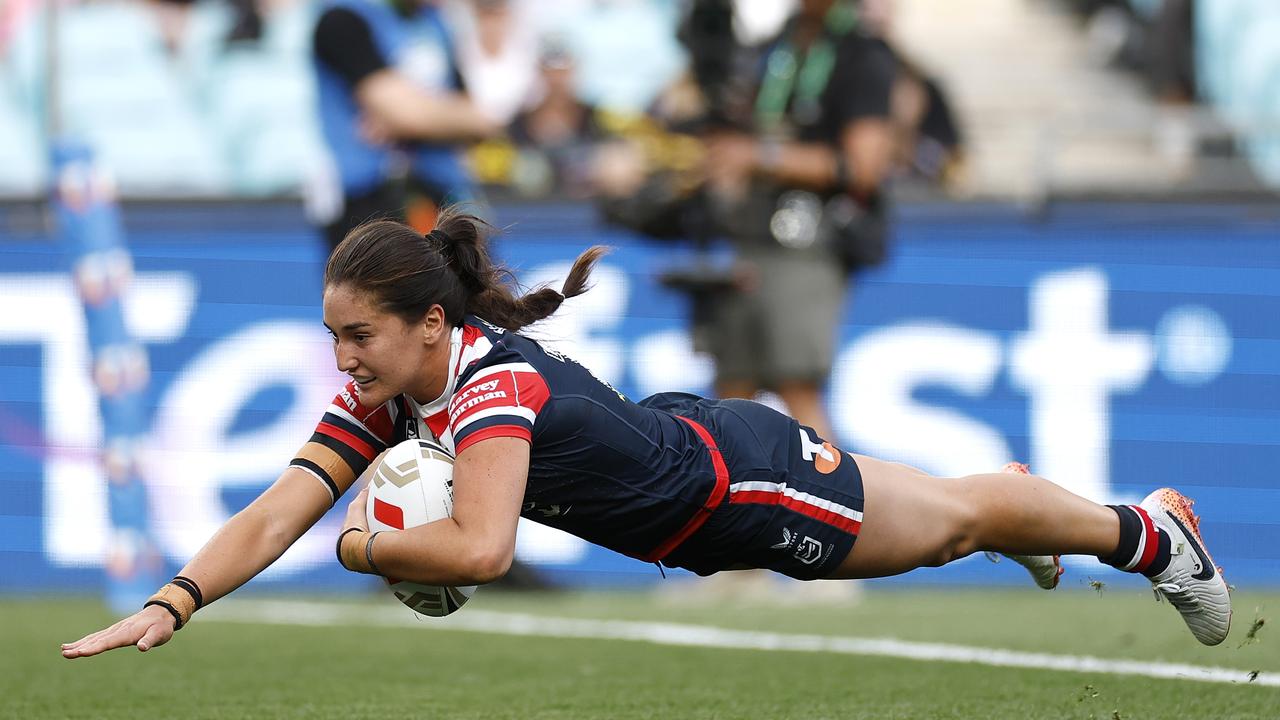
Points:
[(249, 542)]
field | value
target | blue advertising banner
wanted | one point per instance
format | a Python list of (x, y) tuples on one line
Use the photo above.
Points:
[(1116, 348)]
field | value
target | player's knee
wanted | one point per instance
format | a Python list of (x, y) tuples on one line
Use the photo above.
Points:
[(961, 528)]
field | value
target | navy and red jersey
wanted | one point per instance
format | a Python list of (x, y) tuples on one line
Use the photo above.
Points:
[(638, 478)]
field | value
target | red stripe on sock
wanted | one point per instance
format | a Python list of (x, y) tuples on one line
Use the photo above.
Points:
[(1151, 541)]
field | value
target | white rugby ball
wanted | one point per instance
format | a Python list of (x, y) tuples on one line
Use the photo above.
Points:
[(411, 486)]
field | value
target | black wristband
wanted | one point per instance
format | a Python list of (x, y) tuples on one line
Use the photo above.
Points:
[(337, 548), (177, 616), (368, 554), (191, 587)]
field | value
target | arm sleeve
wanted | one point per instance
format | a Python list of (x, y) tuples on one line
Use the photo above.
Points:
[(498, 401), (346, 440), (861, 82), (344, 42)]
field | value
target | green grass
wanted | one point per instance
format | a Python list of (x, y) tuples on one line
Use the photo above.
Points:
[(218, 669)]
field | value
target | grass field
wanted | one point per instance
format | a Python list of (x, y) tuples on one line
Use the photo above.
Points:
[(227, 666)]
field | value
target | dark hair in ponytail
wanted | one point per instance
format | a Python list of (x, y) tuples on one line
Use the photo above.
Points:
[(450, 267)]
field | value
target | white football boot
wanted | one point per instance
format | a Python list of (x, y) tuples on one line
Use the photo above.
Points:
[(1044, 569), (1191, 583)]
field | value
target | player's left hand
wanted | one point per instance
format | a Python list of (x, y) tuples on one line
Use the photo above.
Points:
[(356, 511), (150, 627)]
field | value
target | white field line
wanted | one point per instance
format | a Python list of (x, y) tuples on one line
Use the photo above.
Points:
[(501, 623)]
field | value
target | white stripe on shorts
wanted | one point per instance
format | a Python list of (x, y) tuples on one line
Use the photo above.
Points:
[(806, 498)]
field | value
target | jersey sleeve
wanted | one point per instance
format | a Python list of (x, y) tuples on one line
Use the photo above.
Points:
[(344, 42), (497, 401), (346, 440)]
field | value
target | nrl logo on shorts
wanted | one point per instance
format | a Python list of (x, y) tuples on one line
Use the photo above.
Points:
[(807, 550)]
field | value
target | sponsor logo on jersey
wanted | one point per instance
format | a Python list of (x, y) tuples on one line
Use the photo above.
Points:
[(476, 402), (349, 401), (484, 387)]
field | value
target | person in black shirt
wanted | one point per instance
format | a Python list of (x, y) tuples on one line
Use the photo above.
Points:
[(797, 197), (393, 109)]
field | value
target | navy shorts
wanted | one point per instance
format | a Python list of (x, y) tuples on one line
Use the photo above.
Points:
[(794, 503)]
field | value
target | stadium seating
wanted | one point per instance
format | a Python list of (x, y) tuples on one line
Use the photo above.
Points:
[(261, 101), (212, 118), (119, 92), (22, 152), (1239, 68)]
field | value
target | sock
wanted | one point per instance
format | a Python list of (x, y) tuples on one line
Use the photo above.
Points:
[(1143, 548)]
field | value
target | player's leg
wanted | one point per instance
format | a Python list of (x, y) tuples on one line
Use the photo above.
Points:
[(1046, 570), (915, 520)]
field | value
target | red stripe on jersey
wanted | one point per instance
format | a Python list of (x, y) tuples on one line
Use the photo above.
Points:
[(471, 333), (767, 497), (1151, 540), (713, 500), (388, 514), (438, 422), (532, 391), (380, 423), (350, 440), (515, 431)]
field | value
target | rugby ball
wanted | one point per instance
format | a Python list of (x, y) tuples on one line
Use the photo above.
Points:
[(413, 485)]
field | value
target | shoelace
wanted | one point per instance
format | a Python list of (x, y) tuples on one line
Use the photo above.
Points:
[(1181, 599)]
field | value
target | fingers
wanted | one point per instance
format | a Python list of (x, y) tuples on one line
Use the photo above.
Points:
[(356, 511), (118, 635), (148, 628)]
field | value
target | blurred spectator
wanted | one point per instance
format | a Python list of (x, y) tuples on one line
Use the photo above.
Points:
[(174, 16), (394, 111), (802, 199), (926, 134), (1172, 52), (13, 14), (927, 137), (559, 132), (497, 54)]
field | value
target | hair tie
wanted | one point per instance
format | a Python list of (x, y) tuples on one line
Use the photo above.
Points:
[(442, 242), (444, 245)]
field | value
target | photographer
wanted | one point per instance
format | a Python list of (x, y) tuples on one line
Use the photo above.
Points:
[(801, 198)]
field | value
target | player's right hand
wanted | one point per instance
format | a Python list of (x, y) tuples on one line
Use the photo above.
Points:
[(150, 627)]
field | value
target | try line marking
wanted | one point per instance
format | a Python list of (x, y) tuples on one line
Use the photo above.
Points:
[(502, 623)]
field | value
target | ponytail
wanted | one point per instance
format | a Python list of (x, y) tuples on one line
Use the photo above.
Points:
[(450, 267)]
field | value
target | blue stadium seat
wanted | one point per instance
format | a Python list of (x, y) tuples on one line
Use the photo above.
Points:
[(22, 153), (1263, 146), (263, 107), (121, 93), (1238, 62), (627, 52)]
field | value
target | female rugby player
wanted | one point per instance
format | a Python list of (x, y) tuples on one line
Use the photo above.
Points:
[(427, 329)]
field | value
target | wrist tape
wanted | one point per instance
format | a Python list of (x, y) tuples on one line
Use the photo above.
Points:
[(355, 551), (181, 597)]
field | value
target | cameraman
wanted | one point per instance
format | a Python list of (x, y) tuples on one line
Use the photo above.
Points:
[(801, 199)]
